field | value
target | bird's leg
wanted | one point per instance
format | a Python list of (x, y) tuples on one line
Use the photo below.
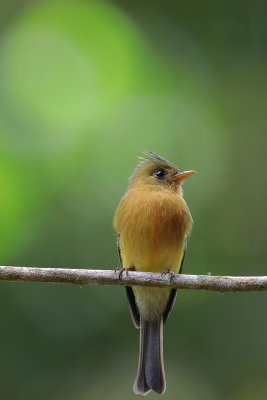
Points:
[(120, 270), (170, 273)]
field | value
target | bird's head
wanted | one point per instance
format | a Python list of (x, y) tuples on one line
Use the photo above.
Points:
[(158, 173)]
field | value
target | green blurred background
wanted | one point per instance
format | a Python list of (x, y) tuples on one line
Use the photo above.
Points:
[(85, 87)]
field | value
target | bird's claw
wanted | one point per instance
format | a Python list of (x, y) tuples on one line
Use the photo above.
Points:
[(120, 270), (170, 273)]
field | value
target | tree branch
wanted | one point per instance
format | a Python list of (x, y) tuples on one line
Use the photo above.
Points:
[(110, 277)]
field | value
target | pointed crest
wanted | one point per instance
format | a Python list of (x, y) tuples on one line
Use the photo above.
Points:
[(151, 157), (156, 158)]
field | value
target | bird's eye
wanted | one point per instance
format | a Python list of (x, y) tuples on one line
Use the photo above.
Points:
[(160, 174)]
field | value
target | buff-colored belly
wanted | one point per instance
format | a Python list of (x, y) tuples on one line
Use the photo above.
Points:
[(154, 243), (152, 253), (144, 255)]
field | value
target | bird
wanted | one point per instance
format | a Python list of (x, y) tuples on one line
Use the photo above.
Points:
[(152, 224)]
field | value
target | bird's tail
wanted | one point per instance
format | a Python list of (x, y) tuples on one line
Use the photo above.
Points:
[(150, 375)]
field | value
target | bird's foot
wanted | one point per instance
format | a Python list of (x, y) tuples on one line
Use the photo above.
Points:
[(120, 270), (170, 273)]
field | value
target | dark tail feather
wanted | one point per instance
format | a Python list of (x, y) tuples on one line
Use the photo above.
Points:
[(150, 375)]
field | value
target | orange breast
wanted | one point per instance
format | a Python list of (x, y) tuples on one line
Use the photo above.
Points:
[(153, 226)]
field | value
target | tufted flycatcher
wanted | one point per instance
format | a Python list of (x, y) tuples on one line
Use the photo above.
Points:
[(152, 223)]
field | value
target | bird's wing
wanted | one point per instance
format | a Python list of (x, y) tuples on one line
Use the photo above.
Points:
[(182, 262), (173, 294), (130, 294), (132, 306)]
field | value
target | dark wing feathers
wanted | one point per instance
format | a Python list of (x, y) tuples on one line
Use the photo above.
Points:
[(132, 306), (182, 262), (173, 294), (130, 295)]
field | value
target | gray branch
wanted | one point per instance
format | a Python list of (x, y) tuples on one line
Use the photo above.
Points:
[(110, 277)]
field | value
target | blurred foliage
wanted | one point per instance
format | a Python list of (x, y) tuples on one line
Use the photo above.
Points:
[(85, 87)]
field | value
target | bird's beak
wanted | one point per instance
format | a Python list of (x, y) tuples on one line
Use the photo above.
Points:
[(180, 176)]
